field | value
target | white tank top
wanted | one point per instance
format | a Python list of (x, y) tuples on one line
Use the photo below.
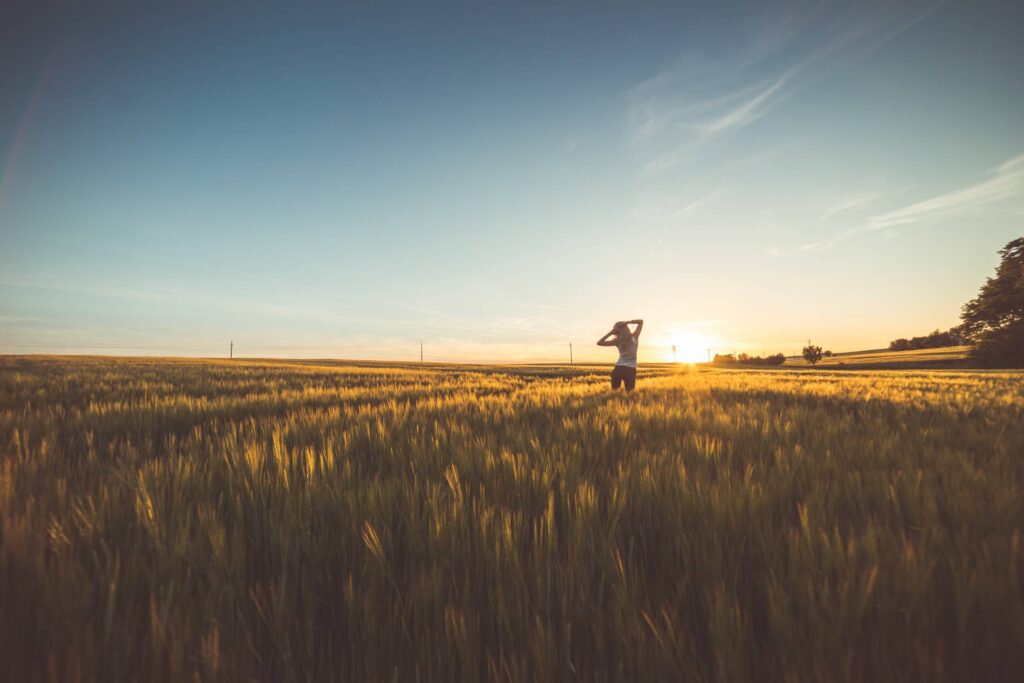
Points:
[(627, 350)]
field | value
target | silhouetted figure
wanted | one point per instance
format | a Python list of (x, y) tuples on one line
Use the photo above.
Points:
[(626, 342)]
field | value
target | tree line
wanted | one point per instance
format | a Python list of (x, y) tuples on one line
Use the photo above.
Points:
[(992, 322), (951, 337), (744, 359)]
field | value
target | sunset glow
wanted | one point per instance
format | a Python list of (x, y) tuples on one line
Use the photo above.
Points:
[(689, 347), (498, 184), (674, 340)]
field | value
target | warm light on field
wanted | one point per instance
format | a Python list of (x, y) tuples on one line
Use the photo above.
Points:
[(689, 347), (318, 513)]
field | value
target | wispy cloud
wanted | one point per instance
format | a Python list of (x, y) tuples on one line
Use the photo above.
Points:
[(1002, 191), (87, 284), (682, 124), (749, 110), (687, 110), (676, 206), (847, 204), (682, 111), (1005, 186)]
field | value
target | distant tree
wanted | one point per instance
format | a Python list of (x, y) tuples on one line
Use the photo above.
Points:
[(958, 336), (936, 339), (812, 353), (899, 345), (747, 359), (827, 354), (994, 320)]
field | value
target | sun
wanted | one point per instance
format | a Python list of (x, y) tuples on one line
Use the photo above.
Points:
[(689, 347)]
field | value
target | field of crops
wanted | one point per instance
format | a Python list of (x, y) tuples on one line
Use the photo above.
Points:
[(173, 519), (950, 355)]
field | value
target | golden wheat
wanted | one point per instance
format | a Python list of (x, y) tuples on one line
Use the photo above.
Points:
[(173, 519)]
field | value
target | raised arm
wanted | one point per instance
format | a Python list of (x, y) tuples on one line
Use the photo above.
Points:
[(639, 326), (608, 339)]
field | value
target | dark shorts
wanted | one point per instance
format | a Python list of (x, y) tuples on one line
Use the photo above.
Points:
[(623, 374)]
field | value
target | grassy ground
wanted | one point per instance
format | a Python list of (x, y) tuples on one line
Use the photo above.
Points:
[(170, 519), (949, 356)]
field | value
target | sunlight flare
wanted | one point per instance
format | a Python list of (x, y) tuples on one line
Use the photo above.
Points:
[(689, 347)]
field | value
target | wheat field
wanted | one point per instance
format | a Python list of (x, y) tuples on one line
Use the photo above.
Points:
[(894, 360), (170, 519)]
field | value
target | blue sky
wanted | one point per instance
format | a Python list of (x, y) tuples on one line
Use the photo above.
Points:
[(498, 179)]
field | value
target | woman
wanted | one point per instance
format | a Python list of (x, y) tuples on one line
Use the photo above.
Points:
[(627, 343)]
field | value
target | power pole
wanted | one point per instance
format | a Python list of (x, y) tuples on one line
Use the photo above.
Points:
[(709, 355), (231, 353), (421, 351), (673, 353), (570, 353)]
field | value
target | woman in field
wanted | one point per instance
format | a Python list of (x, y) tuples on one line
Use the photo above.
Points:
[(627, 342)]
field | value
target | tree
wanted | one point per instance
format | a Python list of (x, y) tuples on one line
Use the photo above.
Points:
[(952, 337), (812, 353), (747, 359), (994, 320)]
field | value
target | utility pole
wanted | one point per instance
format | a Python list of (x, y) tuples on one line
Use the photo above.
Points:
[(709, 355), (231, 353), (673, 353), (570, 353), (421, 351)]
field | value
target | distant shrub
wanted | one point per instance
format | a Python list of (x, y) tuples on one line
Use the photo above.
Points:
[(812, 354), (936, 340), (745, 359)]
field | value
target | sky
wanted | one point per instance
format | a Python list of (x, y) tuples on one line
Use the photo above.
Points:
[(499, 180)]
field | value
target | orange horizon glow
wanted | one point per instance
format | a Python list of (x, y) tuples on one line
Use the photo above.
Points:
[(688, 347)]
